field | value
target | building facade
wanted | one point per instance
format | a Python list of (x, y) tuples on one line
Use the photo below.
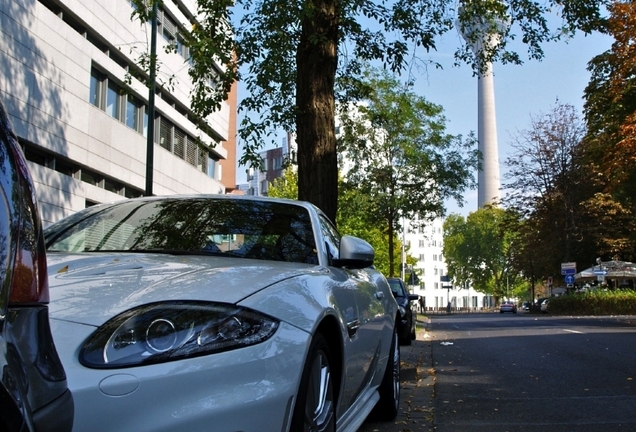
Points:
[(425, 244), (72, 85), (273, 166)]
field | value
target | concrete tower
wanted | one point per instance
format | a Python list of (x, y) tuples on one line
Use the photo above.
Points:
[(478, 37)]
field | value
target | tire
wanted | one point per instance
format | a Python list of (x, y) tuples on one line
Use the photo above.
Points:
[(315, 408), (387, 407)]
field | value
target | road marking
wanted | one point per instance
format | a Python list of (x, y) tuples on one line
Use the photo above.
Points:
[(572, 331)]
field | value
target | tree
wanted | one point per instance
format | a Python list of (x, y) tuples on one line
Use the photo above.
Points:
[(290, 57), (610, 145), (546, 183), (352, 217), (480, 249), (285, 186), (401, 158)]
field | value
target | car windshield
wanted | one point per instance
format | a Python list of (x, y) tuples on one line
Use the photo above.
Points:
[(226, 227)]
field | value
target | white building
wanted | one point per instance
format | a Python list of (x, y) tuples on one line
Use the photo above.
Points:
[(83, 128), (425, 244)]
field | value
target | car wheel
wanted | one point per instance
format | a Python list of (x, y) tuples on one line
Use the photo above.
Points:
[(387, 407), (315, 408)]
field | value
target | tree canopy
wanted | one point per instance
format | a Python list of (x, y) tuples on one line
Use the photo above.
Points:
[(353, 217), (480, 249), (397, 153), (291, 57)]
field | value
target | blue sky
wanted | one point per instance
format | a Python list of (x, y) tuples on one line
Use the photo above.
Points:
[(520, 90)]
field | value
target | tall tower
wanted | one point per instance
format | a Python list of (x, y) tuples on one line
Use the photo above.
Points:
[(483, 34)]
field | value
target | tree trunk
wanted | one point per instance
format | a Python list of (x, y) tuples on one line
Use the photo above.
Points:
[(391, 247), (317, 59)]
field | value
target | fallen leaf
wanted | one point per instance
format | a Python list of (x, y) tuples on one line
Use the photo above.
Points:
[(63, 269)]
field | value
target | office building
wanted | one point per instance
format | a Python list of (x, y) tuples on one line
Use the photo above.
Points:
[(73, 88)]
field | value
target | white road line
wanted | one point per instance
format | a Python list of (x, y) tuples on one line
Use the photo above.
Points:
[(572, 331)]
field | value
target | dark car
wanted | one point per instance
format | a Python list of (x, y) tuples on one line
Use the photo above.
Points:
[(33, 392), (508, 306), (406, 324)]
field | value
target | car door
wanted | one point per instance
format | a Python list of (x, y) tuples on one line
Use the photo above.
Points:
[(357, 293)]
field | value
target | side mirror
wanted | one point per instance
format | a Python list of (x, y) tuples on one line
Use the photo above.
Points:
[(414, 297), (354, 253)]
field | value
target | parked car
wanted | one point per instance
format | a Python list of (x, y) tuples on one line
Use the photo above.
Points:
[(538, 302), (525, 305), (544, 305), (508, 306), (221, 311), (407, 321), (33, 391)]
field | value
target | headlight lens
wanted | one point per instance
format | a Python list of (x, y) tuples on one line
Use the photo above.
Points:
[(162, 332)]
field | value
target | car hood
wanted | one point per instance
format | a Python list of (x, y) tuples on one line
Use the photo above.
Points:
[(92, 288)]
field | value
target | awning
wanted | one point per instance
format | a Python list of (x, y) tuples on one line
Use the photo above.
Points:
[(612, 270)]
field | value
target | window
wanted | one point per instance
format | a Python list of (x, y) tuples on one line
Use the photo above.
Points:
[(179, 143), (278, 163), (422, 257), (167, 27), (202, 160), (191, 156), (112, 100), (96, 88), (332, 238), (133, 112), (434, 257), (90, 177), (165, 134), (422, 243), (212, 168)]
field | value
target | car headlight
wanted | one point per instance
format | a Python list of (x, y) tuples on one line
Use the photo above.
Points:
[(161, 332)]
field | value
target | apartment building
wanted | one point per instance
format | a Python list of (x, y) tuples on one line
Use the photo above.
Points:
[(425, 243), (69, 82)]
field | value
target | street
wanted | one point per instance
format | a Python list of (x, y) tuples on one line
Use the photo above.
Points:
[(520, 372)]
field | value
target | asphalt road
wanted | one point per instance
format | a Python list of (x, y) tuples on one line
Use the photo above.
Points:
[(503, 372)]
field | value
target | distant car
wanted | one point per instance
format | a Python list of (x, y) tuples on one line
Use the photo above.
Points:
[(508, 306), (407, 322), (33, 390), (538, 302), (544, 305), (220, 312), (525, 305)]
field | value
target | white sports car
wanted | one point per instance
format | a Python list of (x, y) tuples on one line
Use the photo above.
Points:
[(220, 312)]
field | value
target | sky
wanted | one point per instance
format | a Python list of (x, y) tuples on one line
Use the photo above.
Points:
[(521, 91)]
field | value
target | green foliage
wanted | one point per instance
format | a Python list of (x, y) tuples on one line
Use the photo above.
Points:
[(480, 249), (285, 186), (297, 58), (352, 218), (616, 302), (398, 154)]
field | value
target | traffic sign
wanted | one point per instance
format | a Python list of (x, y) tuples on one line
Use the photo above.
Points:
[(600, 272), (568, 268), (569, 279)]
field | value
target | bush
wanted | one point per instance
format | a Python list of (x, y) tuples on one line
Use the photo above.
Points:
[(618, 302)]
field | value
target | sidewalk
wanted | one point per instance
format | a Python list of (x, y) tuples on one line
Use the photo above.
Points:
[(418, 379)]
